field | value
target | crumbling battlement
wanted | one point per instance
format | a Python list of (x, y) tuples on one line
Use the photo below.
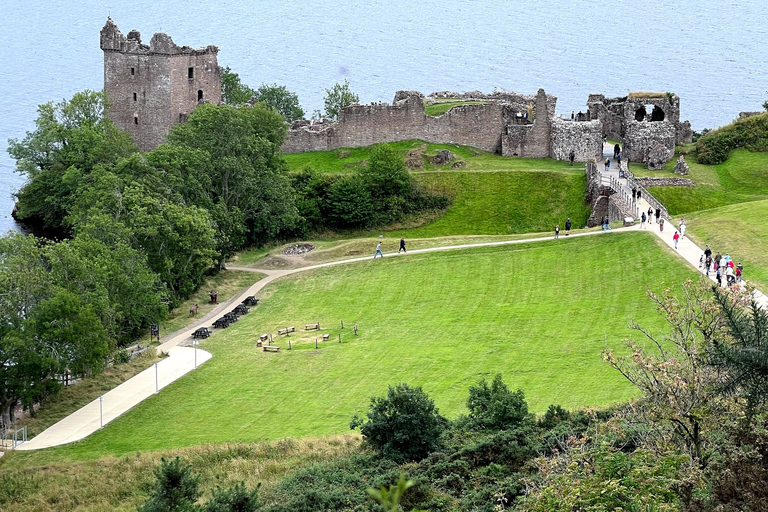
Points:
[(476, 125), (152, 87)]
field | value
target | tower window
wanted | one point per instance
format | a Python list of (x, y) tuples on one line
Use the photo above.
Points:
[(190, 72), (133, 71), (135, 97), (200, 95), (135, 119)]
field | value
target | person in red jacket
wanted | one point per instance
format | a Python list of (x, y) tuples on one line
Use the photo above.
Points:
[(676, 238)]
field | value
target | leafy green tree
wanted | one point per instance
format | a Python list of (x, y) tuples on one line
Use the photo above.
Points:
[(389, 498), (72, 332), (386, 173), (404, 426), (70, 139), (248, 175), (233, 91), (233, 499), (742, 354), (282, 100), (495, 407), (26, 363), (113, 279), (338, 97), (349, 203), (175, 489)]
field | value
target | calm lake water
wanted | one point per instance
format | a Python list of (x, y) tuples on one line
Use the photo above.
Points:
[(713, 53)]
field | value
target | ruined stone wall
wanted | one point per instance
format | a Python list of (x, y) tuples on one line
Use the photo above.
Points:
[(479, 125), (584, 138), (610, 113), (532, 140), (639, 135), (149, 85)]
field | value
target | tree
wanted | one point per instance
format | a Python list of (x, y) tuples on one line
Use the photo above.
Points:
[(677, 383), (495, 407), (349, 203), (233, 91), (70, 139), (765, 105), (338, 97), (248, 175), (742, 354), (175, 489), (386, 173), (282, 100), (404, 426), (26, 363)]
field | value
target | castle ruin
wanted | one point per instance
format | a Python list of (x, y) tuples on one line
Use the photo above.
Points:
[(152, 87)]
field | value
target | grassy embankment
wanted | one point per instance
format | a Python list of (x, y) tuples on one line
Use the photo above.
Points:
[(443, 105), (492, 195), (741, 178), (538, 313)]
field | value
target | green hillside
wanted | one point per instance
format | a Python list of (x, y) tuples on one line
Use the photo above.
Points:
[(540, 314)]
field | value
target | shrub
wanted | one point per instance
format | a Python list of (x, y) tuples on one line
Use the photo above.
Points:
[(404, 426), (495, 407), (750, 133), (176, 488), (349, 203)]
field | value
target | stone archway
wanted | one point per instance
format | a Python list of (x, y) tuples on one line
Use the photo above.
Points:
[(640, 113), (657, 114)]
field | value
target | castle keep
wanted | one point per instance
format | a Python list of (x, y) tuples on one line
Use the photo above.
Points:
[(152, 87)]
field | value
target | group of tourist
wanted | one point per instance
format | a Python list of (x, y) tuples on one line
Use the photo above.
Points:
[(567, 228), (722, 265)]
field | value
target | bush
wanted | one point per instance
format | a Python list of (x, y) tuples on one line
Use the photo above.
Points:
[(750, 133), (349, 203), (176, 488), (496, 407), (404, 426)]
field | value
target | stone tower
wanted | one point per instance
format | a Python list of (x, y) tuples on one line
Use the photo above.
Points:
[(154, 87)]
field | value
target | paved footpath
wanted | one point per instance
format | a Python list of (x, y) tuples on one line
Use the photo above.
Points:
[(180, 360)]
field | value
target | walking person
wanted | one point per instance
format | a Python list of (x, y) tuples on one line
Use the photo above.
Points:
[(557, 231), (708, 264), (650, 215), (707, 251), (402, 246), (607, 164), (658, 214), (567, 226), (607, 225), (717, 259), (642, 221), (676, 238), (719, 277), (616, 151), (602, 223), (572, 156), (378, 251), (661, 224), (682, 230), (739, 271), (701, 263), (730, 279)]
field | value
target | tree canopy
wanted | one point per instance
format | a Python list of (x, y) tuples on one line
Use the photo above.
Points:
[(338, 97)]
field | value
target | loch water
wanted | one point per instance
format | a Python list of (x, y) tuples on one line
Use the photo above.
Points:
[(712, 53)]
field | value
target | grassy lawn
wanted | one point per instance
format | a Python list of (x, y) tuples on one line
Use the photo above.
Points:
[(349, 159), (741, 178), (739, 230), (538, 313), (443, 105)]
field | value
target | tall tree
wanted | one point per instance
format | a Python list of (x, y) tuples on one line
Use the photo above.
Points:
[(282, 100), (26, 363), (70, 139), (338, 97), (233, 90), (248, 174)]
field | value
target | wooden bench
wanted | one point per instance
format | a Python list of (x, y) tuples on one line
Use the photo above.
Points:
[(326, 337), (286, 330), (310, 327), (263, 337), (271, 348), (202, 332)]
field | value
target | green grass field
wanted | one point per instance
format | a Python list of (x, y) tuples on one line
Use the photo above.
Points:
[(539, 313), (739, 230), (443, 105), (741, 178)]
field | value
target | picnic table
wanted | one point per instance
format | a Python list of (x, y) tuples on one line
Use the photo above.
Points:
[(241, 309), (222, 323), (251, 301), (231, 316), (201, 332)]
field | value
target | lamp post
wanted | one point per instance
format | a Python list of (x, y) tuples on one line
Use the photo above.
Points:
[(194, 344), (157, 380), (101, 411)]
